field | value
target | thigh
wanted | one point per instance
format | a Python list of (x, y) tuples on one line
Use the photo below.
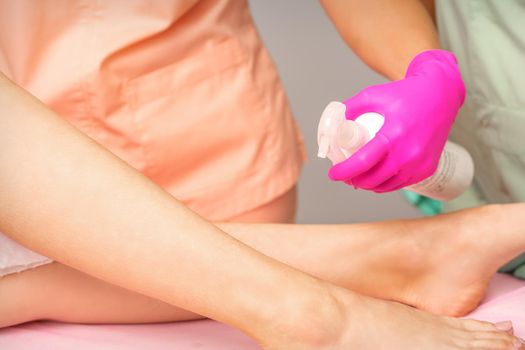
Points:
[(280, 210), (60, 293)]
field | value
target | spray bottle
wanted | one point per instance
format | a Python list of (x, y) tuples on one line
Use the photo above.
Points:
[(339, 138)]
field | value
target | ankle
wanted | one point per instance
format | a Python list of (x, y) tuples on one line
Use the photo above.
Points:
[(499, 228), (476, 225), (323, 317), (311, 319)]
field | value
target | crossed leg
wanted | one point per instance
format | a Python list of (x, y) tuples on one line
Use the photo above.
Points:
[(440, 264), (158, 247)]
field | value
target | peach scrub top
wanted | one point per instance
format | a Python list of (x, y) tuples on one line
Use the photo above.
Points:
[(183, 90)]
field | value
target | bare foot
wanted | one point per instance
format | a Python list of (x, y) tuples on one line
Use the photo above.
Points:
[(458, 255), (388, 325), (327, 317), (369, 324)]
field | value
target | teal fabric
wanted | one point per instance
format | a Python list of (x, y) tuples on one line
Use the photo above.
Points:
[(514, 264), (520, 272), (427, 206)]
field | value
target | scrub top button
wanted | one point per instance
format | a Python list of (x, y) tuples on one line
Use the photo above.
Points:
[(485, 122)]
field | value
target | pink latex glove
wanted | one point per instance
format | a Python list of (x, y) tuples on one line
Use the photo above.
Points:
[(419, 111)]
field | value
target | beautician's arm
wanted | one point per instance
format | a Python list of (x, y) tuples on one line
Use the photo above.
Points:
[(64, 196), (386, 35), (398, 39)]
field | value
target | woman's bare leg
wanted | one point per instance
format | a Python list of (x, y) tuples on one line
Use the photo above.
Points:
[(68, 198), (58, 292), (415, 262), (441, 264), (68, 295)]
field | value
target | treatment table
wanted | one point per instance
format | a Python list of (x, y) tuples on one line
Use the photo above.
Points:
[(505, 300)]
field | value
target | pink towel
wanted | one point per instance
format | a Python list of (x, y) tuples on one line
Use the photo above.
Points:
[(505, 301)]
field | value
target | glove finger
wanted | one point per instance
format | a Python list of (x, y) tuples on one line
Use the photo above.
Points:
[(357, 105), (377, 175), (393, 184), (361, 161), (349, 183)]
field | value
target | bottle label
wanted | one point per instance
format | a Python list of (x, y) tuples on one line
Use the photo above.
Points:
[(438, 182), (452, 177)]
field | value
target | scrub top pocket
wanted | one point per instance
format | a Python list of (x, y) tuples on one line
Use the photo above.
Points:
[(182, 90), (199, 121)]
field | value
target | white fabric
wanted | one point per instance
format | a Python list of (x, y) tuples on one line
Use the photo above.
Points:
[(16, 258)]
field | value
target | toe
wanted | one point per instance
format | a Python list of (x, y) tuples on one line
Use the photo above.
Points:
[(495, 341), (505, 326), (476, 326), (493, 344)]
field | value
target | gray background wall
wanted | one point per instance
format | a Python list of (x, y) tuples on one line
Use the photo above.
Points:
[(317, 67)]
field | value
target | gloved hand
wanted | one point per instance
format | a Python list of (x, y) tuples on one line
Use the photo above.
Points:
[(419, 111)]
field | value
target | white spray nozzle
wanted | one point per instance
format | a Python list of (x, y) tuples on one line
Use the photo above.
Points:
[(332, 117), (338, 138), (351, 136), (324, 146)]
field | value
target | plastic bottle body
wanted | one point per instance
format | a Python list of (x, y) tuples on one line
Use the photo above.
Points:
[(452, 177), (342, 138)]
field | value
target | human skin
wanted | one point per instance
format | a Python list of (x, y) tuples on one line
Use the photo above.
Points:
[(398, 39), (451, 333), (420, 262), (68, 198), (386, 35)]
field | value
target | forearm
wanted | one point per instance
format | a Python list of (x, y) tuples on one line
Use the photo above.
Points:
[(66, 197), (386, 35)]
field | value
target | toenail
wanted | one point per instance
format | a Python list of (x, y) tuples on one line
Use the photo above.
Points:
[(503, 326)]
